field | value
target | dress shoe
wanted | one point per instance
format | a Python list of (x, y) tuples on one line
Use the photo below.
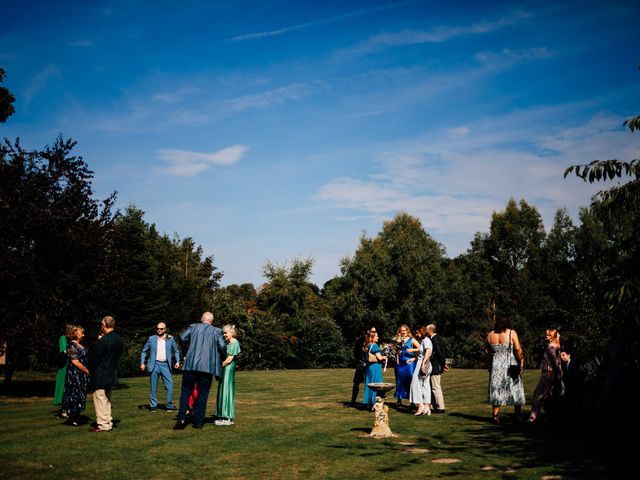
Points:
[(171, 409), (97, 430), (153, 409), (180, 424), (437, 410), (198, 426)]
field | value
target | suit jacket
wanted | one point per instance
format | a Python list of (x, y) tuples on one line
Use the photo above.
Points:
[(103, 360), (206, 348), (572, 377), (151, 347), (438, 355)]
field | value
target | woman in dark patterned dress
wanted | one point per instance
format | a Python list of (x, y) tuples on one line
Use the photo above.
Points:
[(75, 387)]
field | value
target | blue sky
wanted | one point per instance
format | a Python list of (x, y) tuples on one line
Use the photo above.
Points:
[(269, 130)]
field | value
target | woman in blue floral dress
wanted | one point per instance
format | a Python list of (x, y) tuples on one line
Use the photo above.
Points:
[(373, 371), (75, 388)]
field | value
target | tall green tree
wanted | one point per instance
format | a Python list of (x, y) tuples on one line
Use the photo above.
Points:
[(396, 277), (52, 247), (616, 282)]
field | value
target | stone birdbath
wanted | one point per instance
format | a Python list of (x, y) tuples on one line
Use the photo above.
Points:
[(380, 410)]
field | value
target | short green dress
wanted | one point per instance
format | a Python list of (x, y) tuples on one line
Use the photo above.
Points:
[(60, 374), (226, 402)]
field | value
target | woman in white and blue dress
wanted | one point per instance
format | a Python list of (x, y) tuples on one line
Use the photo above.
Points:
[(420, 393)]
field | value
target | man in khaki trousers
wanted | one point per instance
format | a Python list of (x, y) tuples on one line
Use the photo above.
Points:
[(439, 366), (102, 365)]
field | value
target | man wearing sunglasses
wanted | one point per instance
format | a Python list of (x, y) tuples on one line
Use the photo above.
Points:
[(163, 356)]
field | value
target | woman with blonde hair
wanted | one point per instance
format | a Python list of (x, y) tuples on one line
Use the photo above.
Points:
[(226, 402), (406, 348), (550, 372)]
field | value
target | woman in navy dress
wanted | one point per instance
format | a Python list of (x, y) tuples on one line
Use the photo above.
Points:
[(406, 346), (373, 371), (75, 387)]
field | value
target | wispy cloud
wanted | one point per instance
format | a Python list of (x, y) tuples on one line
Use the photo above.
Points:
[(39, 82), (324, 21), (268, 98), (186, 163), (82, 43), (453, 180), (439, 34)]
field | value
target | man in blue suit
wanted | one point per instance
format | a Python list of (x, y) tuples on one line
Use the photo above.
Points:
[(203, 361), (162, 351)]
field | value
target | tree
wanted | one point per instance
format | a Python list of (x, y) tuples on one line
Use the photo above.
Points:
[(616, 283), (52, 246), (393, 278), (6, 100)]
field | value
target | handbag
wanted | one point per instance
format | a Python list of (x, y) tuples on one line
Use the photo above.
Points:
[(372, 358), (514, 370)]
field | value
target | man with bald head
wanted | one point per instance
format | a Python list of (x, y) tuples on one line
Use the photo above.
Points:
[(163, 356), (206, 349)]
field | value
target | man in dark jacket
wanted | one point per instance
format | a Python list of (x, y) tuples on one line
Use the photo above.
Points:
[(102, 365), (438, 365)]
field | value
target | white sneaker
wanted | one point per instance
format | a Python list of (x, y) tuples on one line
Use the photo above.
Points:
[(223, 422)]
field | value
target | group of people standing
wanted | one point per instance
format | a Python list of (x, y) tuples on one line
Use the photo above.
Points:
[(84, 371), (211, 352), (418, 365), (507, 366)]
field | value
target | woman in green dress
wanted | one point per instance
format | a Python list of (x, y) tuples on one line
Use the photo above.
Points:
[(226, 402), (61, 373)]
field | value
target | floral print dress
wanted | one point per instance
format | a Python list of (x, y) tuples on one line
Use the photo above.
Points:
[(75, 387), (503, 390)]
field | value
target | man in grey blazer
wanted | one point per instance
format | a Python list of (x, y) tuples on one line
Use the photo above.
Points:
[(163, 356), (206, 349)]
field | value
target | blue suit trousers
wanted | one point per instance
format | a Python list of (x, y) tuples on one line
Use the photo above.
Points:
[(161, 369)]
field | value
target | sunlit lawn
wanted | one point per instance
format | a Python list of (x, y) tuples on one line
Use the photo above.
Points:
[(291, 424)]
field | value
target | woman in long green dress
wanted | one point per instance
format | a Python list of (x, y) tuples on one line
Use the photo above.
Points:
[(61, 373), (226, 402)]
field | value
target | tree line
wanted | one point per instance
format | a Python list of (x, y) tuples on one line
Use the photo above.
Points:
[(67, 257)]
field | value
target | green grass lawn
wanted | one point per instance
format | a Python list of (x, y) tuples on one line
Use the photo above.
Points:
[(291, 424)]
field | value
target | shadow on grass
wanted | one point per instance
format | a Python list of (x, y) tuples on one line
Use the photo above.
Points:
[(571, 453), (36, 388)]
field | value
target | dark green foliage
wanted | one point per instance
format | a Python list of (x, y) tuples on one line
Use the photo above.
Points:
[(393, 278), (6, 101), (52, 247), (66, 258)]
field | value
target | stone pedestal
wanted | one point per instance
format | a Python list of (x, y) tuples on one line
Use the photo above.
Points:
[(380, 420), (381, 411)]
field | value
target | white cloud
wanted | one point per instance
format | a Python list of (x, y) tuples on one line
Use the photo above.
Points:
[(186, 163), (268, 98), (82, 43), (453, 180), (323, 21), (439, 34), (39, 82)]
